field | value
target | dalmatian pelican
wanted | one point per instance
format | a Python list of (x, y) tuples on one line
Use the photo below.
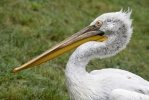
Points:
[(107, 35)]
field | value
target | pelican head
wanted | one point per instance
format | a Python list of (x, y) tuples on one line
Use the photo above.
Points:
[(117, 27), (105, 36)]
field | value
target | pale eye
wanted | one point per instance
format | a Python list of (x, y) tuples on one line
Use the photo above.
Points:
[(98, 23)]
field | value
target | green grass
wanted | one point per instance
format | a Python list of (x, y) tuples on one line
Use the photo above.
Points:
[(30, 27)]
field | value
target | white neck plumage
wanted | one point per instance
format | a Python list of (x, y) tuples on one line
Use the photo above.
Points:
[(118, 38), (83, 54)]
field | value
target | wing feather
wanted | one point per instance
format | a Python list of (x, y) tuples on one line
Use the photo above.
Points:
[(121, 94)]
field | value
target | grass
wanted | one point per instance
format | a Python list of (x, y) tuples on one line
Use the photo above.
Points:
[(29, 27)]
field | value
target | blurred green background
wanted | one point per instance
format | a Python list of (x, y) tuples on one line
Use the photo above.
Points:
[(30, 27)]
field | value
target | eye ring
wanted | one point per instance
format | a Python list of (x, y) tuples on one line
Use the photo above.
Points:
[(98, 24)]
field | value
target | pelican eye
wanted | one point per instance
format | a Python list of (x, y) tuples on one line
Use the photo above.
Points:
[(98, 24), (101, 33)]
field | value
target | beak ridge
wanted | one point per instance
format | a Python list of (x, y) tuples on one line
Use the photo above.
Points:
[(90, 33)]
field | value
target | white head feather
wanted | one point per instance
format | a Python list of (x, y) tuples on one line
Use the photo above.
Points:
[(117, 26)]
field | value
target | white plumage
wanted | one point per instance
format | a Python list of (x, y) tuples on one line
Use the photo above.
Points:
[(105, 84)]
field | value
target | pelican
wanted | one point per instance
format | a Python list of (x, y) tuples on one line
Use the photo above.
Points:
[(107, 35)]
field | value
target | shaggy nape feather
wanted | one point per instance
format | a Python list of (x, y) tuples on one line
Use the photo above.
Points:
[(117, 26)]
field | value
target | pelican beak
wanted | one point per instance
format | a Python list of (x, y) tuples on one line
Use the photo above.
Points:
[(90, 33)]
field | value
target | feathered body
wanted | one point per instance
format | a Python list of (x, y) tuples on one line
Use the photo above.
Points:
[(100, 84)]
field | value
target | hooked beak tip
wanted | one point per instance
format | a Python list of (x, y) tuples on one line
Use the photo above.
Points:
[(15, 70)]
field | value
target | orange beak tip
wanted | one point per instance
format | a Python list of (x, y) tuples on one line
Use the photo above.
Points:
[(15, 70)]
